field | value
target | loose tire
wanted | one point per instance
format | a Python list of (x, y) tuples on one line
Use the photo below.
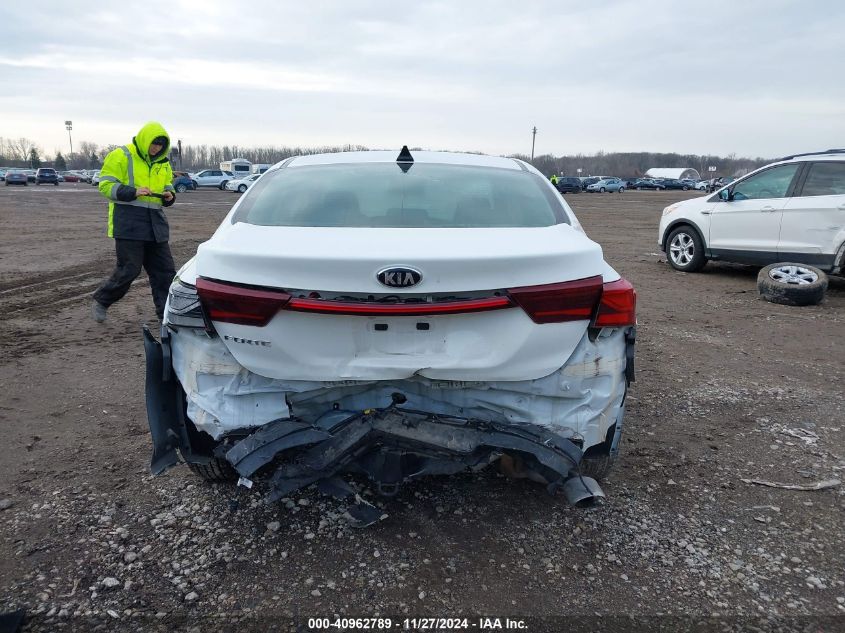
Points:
[(596, 466), (792, 284), (218, 470), (181, 188), (685, 250), (241, 188)]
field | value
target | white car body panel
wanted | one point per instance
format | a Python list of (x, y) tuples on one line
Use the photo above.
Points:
[(458, 347), (746, 225), (812, 225)]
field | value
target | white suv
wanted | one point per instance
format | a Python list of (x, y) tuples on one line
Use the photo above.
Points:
[(790, 211), (394, 317)]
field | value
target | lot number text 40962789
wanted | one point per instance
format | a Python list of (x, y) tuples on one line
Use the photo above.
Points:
[(417, 624)]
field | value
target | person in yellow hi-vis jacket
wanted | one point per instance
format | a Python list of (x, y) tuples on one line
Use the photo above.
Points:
[(136, 178)]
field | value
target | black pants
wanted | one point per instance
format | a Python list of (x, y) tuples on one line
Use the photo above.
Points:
[(156, 259)]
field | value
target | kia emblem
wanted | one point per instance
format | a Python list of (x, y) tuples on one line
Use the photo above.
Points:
[(399, 277)]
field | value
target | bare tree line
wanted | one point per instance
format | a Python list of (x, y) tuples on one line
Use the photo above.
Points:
[(630, 164), (23, 152)]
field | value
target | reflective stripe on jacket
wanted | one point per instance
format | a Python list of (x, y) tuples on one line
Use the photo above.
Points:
[(128, 168)]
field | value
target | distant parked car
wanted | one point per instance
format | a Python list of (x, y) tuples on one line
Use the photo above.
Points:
[(212, 178), (182, 181), (242, 184), (2, 174), (69, 176), (16, 177), (607, 185), (95, 178), (46, 176), (674, 183), (650, 183), (587, 181), (569, 185), (703, 185)]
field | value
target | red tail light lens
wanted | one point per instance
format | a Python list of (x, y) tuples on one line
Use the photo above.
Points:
[(398, 309), (238, 304), (561, 302), (618, 307)]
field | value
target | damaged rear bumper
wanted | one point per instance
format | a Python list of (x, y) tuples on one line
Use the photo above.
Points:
[(390, 446)]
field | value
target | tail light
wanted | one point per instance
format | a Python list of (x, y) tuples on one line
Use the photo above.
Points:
[(608, 305), (561, 302), (239, 304), (398, 309), (618, 307)]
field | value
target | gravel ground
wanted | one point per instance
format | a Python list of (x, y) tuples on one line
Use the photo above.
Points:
[(729, 388)]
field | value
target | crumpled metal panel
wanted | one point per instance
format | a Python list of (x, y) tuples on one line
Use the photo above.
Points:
[(580, 400)]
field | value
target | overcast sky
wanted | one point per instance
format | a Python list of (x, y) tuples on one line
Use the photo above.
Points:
[(751, 78)]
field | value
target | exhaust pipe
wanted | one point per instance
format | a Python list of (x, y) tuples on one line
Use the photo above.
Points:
[(583, 492)]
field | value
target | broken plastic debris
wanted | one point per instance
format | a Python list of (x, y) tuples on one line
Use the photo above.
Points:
[(246, 483), (819, 485)]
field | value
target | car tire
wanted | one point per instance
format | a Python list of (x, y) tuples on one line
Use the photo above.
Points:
[(596, 466), (621, 189), (194, 183), (222, 186), (792, 284), (242, 188), (180, 188), (639, 188), (55, 183), (685, 249), (218, 470), (686, 188), (602, 189)]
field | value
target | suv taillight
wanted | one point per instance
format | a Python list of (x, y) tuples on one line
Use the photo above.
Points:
[(618, 307), (238, 304)]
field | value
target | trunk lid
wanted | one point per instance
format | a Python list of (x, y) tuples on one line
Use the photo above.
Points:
[(503, 344)]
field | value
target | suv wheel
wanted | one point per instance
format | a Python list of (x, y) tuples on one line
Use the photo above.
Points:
[(241, 188), (792, 284), (685, 250), (181, 188), (621, 189)]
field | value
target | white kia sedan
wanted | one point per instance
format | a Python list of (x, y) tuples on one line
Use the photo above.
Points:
[(395, 317), (790, 211)]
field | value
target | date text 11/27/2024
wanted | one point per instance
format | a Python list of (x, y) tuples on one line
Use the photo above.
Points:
[(417, 624)]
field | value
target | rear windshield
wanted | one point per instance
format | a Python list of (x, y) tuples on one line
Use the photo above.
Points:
[(382, 195)]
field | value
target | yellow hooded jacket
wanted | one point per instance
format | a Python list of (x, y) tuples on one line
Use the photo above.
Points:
[(127, 168)]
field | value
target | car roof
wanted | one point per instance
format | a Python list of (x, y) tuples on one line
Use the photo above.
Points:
[(390, 156)]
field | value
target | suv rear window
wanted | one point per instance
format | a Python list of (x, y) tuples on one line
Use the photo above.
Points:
[(825, 179), (382, 195)]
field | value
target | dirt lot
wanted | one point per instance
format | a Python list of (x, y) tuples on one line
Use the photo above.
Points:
[(728, 387)]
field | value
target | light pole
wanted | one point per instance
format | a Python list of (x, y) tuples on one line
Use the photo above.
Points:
[(69, 127), (533, 138)]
